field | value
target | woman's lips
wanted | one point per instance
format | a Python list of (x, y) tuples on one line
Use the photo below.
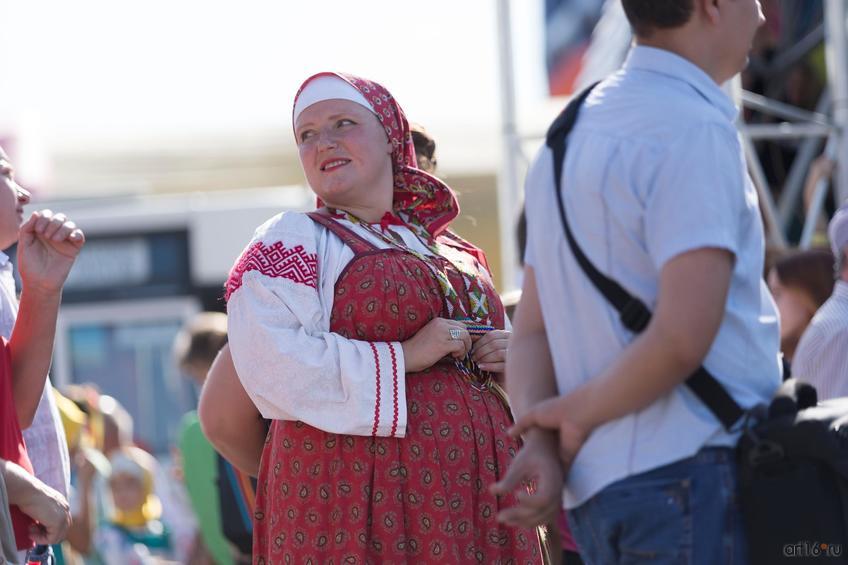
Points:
[(333, 164)]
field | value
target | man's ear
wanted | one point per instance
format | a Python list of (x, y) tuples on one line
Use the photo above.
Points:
[(711, 9)]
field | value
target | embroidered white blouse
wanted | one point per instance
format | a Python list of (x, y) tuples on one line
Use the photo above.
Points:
[(291, 365)]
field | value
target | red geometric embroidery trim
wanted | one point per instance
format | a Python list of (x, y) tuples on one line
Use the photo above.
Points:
[(377, 405), (394, 388), (276, 261)]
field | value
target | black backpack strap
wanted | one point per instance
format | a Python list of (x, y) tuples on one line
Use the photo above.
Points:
[(634, 314)]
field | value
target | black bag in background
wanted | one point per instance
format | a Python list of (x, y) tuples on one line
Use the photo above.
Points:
[(792, 455)]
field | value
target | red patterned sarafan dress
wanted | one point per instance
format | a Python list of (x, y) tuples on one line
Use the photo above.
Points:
[(423, 498)]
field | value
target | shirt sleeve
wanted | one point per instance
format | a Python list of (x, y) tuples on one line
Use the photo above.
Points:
[(539, 178), (698, 195), (290, 363), (46, 443), (807, 361)]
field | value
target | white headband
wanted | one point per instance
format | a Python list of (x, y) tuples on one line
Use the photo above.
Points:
[(327, 87)]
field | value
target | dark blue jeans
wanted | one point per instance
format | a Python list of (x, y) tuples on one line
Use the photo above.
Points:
[(685, 512)]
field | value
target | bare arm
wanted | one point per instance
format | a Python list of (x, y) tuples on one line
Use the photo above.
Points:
[(530, 380), (31, 349), (228, 417), (822, 167), (47, 248), (38, 501), (81, 532), (691, 304), (530, 370)]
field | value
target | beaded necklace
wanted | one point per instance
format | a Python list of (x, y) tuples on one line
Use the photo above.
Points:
[(479, 379), (479, 316)]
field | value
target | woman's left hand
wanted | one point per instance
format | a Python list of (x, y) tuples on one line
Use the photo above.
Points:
[(489, 351)]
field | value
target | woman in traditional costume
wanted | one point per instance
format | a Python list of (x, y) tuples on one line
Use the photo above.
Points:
[(373, 338)]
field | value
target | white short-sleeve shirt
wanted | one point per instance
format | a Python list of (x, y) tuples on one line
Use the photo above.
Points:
[(654, 169)]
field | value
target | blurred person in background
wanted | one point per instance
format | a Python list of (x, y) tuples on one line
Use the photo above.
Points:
[(822, 354), (425, 148), (117, 424), (48, 245), (346, 326), (117, 429), (133, 534), (221, 495), (659, 199), (90, 499), (109, 430), (88, 464), (800, 282)]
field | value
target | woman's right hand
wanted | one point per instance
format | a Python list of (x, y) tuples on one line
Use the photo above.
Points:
[(433, 342)]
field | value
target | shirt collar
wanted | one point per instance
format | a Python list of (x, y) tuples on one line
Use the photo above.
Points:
[(4, 259), (669, 64), (388, 219)]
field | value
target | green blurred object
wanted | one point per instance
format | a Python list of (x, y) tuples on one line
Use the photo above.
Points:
[(200, 472)]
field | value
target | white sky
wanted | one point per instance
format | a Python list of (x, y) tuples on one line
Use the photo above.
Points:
[(95, 72)]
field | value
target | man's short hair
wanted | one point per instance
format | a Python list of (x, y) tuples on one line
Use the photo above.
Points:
[(200, 340), (425, 148), (645, 16)]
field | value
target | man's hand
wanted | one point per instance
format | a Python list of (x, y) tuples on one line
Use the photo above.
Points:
[(554, 414), (47, 248), (51, 511), (39, 502), (536, 464)]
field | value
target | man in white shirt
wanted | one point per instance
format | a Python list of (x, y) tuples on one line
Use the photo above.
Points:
[(657, 195), (822, 354), (44, 437)]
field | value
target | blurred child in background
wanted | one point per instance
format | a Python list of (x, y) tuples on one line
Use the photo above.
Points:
[(134, 533)]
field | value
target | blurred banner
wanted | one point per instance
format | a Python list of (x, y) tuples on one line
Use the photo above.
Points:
[(568, 31)]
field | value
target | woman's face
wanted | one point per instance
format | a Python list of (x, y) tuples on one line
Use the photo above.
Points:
[(127, 492), (344, 152), (796, 310)]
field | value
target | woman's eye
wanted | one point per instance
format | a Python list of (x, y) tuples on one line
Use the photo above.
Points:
[(306, 135), (345, 122)]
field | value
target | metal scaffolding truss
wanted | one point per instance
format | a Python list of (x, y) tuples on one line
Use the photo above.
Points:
[(825, 126)]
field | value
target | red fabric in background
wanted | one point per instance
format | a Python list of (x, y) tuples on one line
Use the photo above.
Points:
[(12, 447)]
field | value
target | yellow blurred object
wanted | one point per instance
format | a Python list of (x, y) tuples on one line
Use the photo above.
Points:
[(74, 420)]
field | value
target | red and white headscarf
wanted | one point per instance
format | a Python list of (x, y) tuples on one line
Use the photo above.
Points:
[(424, 198)]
